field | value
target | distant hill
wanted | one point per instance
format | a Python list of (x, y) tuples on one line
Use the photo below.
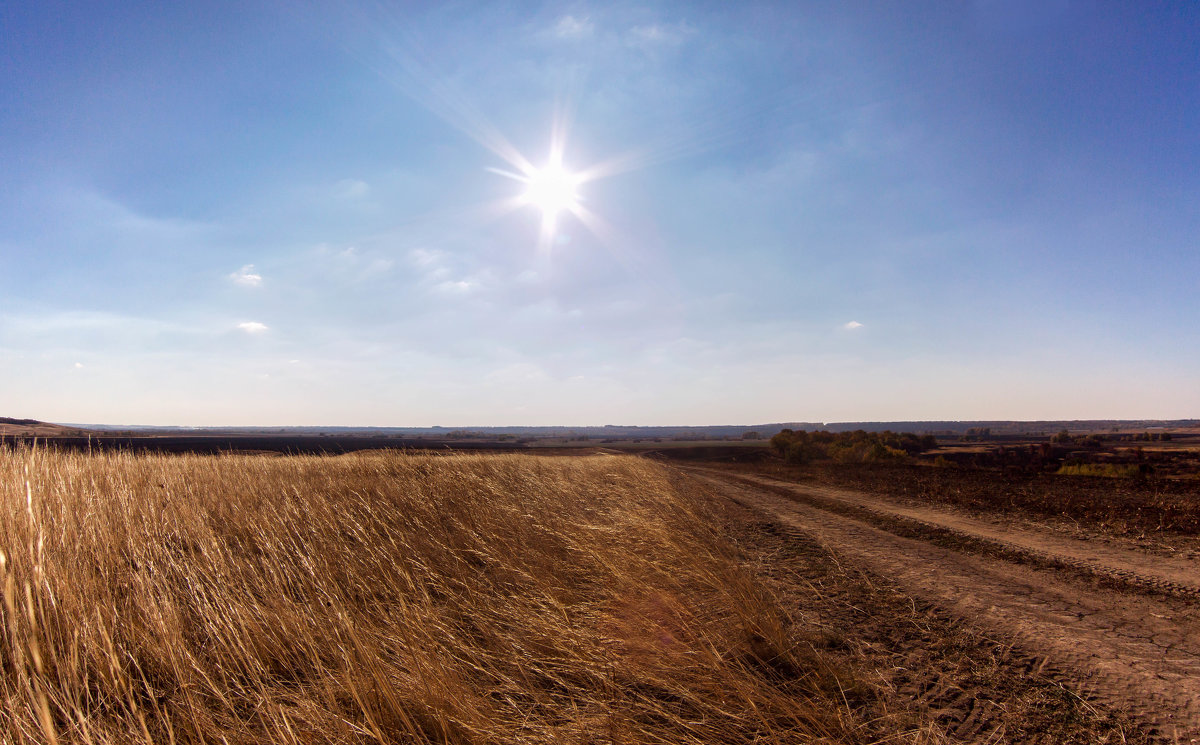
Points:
[(1036, 427), (610, 433), (34, 428)]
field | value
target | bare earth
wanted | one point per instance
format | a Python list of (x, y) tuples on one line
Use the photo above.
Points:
[(1120, 624)]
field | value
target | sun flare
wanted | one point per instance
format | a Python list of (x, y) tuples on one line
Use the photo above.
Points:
[(552, 189)]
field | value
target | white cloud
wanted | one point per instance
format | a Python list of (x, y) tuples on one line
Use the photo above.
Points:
[(78, 365), (253, 327), (570, 27), (852, 325), (246, 276)]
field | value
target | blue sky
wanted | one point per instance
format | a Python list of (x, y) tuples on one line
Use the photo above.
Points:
[(277, 213)]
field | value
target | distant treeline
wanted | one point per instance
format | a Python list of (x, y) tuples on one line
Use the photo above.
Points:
[(858, 446), (1096, 440), (21, 422)]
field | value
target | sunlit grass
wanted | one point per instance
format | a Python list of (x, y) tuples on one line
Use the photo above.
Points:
[(386, 598)]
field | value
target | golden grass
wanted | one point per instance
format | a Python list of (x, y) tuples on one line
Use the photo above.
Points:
[(387, 598)]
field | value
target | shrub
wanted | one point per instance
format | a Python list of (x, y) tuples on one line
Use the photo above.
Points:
[(849, 447)]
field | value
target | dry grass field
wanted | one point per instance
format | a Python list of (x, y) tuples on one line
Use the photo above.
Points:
[(389, 598)]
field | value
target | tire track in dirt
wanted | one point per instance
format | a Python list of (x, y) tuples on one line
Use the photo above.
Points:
[(1121, 567), (1138, 654)]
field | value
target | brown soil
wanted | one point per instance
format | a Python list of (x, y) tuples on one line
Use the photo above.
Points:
[(1118, 626)]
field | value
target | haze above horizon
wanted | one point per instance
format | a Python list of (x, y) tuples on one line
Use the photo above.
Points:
[(392, 214)]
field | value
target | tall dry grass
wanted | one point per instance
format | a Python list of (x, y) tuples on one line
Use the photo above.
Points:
[(386, 598)]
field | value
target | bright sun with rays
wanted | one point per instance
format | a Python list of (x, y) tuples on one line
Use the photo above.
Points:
[(552, 189)]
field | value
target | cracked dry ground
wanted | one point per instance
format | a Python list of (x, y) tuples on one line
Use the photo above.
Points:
[(981, 632)]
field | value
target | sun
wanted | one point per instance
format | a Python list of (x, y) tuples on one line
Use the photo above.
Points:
[(551, 189)]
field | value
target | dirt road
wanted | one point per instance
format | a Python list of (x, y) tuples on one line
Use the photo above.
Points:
[(1122, 625)]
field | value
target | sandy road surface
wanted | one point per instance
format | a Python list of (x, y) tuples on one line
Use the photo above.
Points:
[(1139, 653)]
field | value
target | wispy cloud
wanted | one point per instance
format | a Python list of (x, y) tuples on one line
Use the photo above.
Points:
[(103, 211), (253, 327), (431, 265), (657, 35), (424, 256), (87, 322), (351, 263), (351, 189), (246, 276), (458, 287), (852, 325), (570, 27)]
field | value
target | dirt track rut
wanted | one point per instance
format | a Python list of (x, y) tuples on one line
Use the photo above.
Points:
[(1134, 652)]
